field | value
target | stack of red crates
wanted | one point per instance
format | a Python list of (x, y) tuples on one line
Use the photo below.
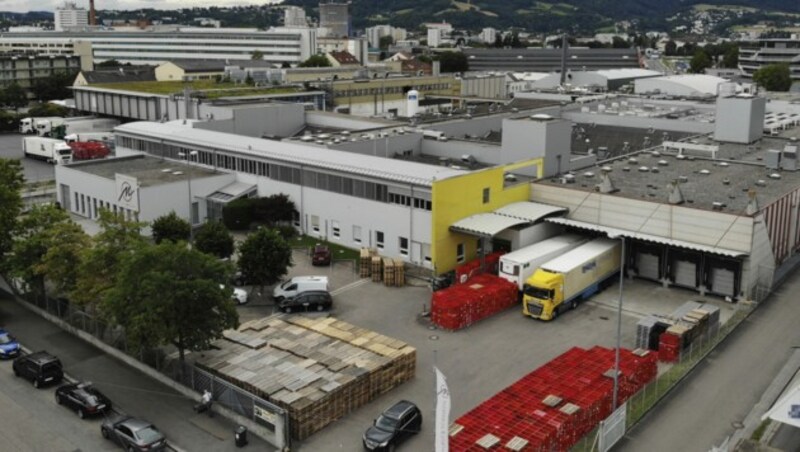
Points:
[(462, 305), (87, 150), (669, 347), (577, 379), (473, 268)]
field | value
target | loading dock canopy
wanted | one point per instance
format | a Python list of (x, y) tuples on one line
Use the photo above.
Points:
[(614, 232), (491, 224), (485, 224)]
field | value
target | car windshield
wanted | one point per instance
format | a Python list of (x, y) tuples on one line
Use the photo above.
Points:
[(148, 434), (286, 284), (386, 423), (6, 339), (50, 367)]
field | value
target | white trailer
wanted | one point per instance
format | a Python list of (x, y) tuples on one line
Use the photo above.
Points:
[(44, 126), (89, 136), (28, 125), (93, 125), (49, 149), (519, 265)]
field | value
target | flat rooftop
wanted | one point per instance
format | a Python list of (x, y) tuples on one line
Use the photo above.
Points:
[(208, 89), (702, 181), (150, 171)]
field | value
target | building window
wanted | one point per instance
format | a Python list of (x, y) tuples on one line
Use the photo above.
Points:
[(357, 234), (479, 246), (295, 218), (379, 239), (77, 205), (315, 223), (83, 205), (426, 252), (486, 195), (403, 246), (335, 229), (460, 253)]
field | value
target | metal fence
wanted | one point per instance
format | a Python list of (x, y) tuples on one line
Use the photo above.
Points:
[(242, 402), (647, 398)]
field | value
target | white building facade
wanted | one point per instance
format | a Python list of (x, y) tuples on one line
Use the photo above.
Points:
[(70, 16)]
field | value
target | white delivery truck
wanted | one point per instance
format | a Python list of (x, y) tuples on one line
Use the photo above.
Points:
[(518, 266), (45, 126), (299, 284), (49, 149), (28, 125)]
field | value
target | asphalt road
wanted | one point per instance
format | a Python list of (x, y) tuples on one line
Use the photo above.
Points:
[(32, 421), (712, 402), (34, 170)]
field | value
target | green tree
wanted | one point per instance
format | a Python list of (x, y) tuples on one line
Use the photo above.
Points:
[(55, 86), (731, 57), (700, 62), (170, 294), (774, 77), (14, 96), (99, 266), (46, 109), (671, 48), (170, 227), (31, 242), (257, 55), (385, 42), (264, 257), (66, 242), (108, 63), (11, 183), (453, 62), (619, 43), (316, 61), (213, 238)]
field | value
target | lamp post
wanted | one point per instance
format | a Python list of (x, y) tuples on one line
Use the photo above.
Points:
[(619, 319), (189, 182)]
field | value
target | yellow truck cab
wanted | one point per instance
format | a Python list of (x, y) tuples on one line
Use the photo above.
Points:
[(561, 283)]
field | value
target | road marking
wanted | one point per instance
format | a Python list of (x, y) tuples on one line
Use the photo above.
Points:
[(352, 285)]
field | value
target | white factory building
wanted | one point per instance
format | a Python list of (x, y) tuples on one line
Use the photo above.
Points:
[(159, 45), (70, 16), (685, 85)]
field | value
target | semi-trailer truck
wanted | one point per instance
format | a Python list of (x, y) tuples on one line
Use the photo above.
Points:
[(27, 125), (562, 283), (49, 149), (518, 266), (59, 128), (90, 136)]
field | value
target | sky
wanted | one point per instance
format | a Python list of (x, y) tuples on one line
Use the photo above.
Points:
[(20, 6)]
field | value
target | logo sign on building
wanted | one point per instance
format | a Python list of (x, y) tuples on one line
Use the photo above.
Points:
[(127, 192)]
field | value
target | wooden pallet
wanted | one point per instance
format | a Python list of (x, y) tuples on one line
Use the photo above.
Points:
[(377, 268)]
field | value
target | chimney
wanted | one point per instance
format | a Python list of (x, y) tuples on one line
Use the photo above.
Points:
[(752, 204), (675, 194), (92, 16)]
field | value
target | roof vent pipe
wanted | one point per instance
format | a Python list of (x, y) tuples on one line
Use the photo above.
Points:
[(606, 185), (752, 203), (675, 194)]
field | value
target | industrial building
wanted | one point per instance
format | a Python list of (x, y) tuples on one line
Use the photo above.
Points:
[(685, 85), (549, 60), (771, 51), (600, 80), (70, 16), (159, 45), (334, 17), (26, 69), (714, 215)]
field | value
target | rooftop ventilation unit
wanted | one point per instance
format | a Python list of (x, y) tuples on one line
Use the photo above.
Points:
[(675, 194), (166, 170), (717, 205), (774, 176), (567, 179), (663, 162), (654, 153), (633, 160), (588, 174), (606, 185), (704, 172), (626, 168), (726, 181), (752, 203), (723, 164), (789, 158), (761, 183), (643, 169), (607, 169), (683, 179)]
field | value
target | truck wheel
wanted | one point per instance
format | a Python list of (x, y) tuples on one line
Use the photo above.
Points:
[(574, 304), (554, 315)]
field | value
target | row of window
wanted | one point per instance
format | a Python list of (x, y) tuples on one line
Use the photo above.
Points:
[(267, 52), (89, 207), (378, 90), (309, 178), (113, 44), (358, 238)]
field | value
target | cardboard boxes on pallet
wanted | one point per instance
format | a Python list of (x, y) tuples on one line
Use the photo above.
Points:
[(317, 369), (689, 323)]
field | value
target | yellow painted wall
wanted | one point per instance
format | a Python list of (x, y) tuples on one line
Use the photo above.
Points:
[(459, 197)]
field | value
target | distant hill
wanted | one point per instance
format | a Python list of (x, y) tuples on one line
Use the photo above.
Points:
[(534, 15), (30, 16)]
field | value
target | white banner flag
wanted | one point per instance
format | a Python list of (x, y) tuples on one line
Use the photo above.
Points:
[(442, 413)]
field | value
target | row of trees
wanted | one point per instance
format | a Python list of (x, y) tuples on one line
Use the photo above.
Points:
[(161, 292)]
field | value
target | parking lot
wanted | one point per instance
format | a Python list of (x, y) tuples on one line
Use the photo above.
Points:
[(34, 170), (480, 360)]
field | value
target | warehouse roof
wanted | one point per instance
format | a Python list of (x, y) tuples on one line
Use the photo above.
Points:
[(149, 171), (293, 153), (485, 224), (701, 83), (619, 74)]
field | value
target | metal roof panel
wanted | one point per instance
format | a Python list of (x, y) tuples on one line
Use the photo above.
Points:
[(485, 224)]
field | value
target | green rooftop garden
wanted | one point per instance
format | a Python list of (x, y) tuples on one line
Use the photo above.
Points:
[(210, 88)]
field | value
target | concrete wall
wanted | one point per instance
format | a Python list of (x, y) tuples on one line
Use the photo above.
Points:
[(492, 87), (490, 154), (383, 147), (740, 119), (326, 119), (279, 120), (474, 127), (640, 122)]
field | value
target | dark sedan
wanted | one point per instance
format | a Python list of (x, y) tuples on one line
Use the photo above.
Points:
[(135, 435), (84, 398), (321, 255)]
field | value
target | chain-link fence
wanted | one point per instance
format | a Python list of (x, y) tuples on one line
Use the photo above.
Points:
[(644, 400)]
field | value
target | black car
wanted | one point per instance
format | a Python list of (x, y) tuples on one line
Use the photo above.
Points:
[(41, 368), (393, 426), (84, 398), (133, 434), (305, 301)]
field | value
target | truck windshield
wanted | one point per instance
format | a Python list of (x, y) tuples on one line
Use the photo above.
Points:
[(65, 152), (538, 292)]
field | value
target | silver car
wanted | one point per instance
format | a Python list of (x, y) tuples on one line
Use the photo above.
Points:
[(134, 435)]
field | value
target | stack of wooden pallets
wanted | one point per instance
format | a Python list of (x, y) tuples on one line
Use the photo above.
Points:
[(393, 272), (365, 262), (377, 268), (318, 369)]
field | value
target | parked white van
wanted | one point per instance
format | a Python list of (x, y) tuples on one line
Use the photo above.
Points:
[(299, 284)]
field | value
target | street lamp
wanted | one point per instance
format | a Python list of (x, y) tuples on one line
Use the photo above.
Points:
[(619, 318), (189, 182)]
